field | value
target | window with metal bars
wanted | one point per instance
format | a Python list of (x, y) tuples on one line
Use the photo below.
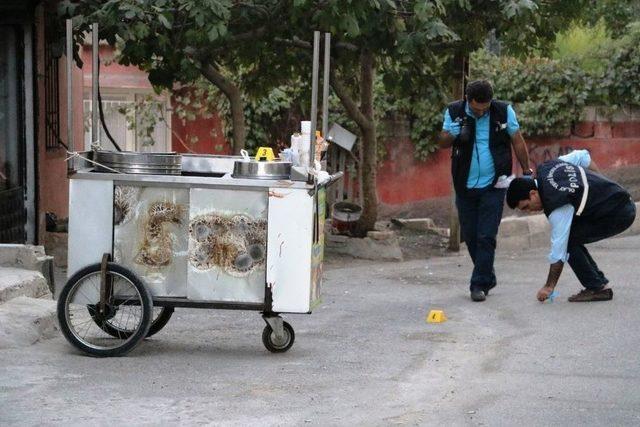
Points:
[(124, 113), (52, 54)]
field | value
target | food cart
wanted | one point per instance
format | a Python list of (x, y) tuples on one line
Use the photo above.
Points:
[(149, 232)]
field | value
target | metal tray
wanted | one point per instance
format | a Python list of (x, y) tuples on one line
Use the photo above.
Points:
[(251, 169), (138, 163)]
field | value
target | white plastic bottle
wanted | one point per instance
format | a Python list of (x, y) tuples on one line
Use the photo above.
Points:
[(305, 145), (296, 142)]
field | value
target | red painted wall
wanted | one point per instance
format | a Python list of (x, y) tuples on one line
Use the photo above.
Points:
[(208, 131), (52, 183), (112, 74), (404, 180)]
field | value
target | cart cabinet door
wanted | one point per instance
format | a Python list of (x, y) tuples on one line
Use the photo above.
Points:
[(150, 226), (289, 249), (90, 222), (227, 245)]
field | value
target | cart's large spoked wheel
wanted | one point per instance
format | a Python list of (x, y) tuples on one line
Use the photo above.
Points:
[(277, 344), (126, 303), (160, 317)]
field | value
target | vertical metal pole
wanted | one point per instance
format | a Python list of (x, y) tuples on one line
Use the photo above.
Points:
[(31, 225), (325, 84), (94, 84), (70, 144), (314, 96)]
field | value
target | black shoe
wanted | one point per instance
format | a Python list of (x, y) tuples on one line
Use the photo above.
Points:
[(488, 288), (478, 295)]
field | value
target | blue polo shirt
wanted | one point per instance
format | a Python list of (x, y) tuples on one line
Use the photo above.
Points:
[(482, 170)]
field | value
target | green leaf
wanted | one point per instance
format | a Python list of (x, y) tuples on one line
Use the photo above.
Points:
[(351, 26), (213, 34), (164, 21)]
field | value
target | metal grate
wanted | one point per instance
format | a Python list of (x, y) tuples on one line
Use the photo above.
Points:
[(52, 53), (122, 118)]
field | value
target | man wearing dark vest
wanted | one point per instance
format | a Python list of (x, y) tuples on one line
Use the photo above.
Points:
[(582, 207), (481, 132)]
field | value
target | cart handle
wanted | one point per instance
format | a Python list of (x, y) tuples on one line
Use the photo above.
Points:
[(332, 180)]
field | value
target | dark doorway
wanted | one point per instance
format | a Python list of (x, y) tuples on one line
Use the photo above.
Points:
[(13, 213)]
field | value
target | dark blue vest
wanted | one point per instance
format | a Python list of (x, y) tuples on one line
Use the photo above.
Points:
[(499, 143), (591, 194)]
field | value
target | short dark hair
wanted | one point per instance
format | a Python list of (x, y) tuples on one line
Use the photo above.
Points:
[(479, 91), (519, 190)]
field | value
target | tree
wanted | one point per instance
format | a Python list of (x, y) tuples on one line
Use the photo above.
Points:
[(617, 14), (179, 41), (366, 35), (404, 40)]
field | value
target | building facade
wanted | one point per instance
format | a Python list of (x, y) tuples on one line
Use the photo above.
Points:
[(33, 119)]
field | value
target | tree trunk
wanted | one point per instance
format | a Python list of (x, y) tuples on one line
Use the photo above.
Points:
[(364, 118), (237, 120), (233, 94), (369, 191), (461, 71), (369, 146)]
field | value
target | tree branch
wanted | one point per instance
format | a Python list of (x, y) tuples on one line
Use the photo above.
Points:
[(296, 42), (349, 104), (249, 35), (346, 46), (367, 70), (217, 78)]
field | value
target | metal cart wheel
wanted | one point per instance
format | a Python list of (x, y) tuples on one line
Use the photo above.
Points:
[(118, 297), (273, 343), (159, 320)]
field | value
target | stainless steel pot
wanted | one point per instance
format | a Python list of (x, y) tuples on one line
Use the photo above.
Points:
[(138, 163), (251, 169)]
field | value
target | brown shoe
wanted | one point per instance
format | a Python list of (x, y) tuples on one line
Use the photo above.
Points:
[(587, 295)]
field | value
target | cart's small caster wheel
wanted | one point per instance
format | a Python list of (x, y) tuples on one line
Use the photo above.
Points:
[(272, 343)]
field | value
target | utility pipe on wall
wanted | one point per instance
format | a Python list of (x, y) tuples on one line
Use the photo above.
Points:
[(95, 108), (70, 144)]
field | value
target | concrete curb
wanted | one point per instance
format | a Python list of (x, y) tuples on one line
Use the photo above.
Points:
[(17, 282), (387, 249), (28, 257), (25, 321), (533, 231)]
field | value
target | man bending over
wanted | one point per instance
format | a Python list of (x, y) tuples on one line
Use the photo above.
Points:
[(582, 207)]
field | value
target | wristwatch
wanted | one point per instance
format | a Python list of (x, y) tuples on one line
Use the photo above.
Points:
[(527, 172)]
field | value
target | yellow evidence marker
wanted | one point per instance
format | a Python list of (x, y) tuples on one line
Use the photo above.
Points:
[(265, 153), (436, 316)]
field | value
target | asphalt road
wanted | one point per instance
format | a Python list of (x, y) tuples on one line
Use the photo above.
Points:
[(366, 357)]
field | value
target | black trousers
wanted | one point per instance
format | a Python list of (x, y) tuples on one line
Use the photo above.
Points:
[(588, 229), (480, 212)]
